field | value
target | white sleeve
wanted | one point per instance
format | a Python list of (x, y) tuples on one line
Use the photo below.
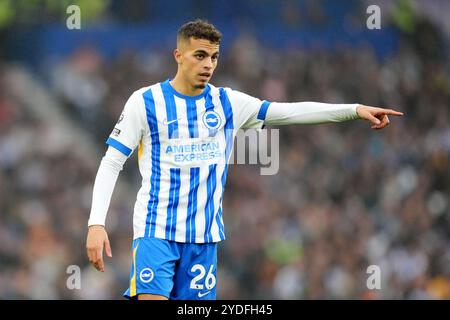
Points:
[(308, 113), (246, 109), (105, 181), (130, 127)]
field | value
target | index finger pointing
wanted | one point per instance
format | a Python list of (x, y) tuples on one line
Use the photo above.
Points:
[(392, 112)]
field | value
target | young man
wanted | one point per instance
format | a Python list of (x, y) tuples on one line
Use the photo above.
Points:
[(184, 130)]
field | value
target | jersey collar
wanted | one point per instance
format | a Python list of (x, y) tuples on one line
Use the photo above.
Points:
[(172, 90)]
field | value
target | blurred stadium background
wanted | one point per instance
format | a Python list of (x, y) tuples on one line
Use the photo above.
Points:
[(345, 197)]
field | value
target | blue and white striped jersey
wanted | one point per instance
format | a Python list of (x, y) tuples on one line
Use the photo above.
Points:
[(184, 144)]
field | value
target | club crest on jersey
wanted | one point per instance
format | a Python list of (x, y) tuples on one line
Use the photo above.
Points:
[(146, 275), (211, 119)]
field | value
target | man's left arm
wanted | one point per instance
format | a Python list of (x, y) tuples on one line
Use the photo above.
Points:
[(277, 113)]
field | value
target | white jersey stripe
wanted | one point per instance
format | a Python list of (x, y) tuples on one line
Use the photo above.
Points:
[(183, 132)]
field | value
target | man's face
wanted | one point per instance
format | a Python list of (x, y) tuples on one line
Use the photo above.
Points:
[(197, 59)]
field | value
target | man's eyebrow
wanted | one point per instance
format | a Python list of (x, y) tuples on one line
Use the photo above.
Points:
[(205, 52)]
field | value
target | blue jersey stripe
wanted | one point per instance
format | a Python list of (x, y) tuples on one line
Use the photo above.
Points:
[(192, 118), (224, 181), (192, 204), (171, 111), (229, 126), (176, 200), (150, 222), (263, 110), (172, 206), (209, 207), (119, 146), (220, 224)]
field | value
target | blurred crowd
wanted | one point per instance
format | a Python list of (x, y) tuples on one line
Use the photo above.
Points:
[(346, 197)]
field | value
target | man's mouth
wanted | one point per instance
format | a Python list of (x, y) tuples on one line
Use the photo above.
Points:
[(205, 76)]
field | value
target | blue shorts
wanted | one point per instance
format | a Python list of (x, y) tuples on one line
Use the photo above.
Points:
[(178, 271)]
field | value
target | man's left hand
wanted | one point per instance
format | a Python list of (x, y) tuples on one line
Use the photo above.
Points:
[(377, 116)]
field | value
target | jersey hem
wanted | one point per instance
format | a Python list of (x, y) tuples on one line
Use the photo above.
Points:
[(196, 242)]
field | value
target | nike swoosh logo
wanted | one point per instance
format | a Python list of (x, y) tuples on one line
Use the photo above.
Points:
[(166, 123), (202, 294)]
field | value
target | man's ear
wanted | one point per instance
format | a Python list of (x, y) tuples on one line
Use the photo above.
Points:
[(177, 55)]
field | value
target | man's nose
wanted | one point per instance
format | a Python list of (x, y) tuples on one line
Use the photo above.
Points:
[(208, 63)]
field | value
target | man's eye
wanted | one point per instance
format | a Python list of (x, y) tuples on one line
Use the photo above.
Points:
[(200, 56)]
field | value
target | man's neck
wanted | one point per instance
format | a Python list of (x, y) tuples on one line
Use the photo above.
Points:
[(183, 87)]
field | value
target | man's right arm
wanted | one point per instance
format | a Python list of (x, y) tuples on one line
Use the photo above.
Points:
[(124, 138), (105, 181)]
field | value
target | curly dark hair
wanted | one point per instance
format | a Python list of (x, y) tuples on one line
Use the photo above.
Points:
[(199, 29)]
